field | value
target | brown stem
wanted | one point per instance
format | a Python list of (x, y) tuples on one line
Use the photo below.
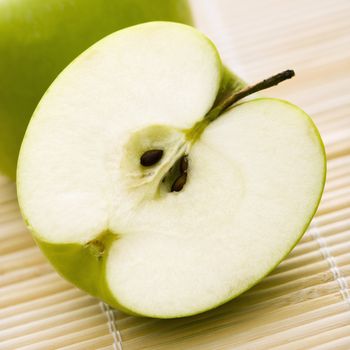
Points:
[(262, 85)]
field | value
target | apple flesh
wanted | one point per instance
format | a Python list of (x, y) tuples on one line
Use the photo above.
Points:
[(113, 227), (40, 37)]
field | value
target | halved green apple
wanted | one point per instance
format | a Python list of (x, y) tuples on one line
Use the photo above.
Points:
[(123, 231)]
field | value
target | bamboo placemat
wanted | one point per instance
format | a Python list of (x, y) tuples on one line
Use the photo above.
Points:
[(305, 302)]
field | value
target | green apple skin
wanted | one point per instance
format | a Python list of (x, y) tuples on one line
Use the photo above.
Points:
[(81, 266), (39, 38)]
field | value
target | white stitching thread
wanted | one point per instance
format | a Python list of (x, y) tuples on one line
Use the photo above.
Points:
[(327, 255), (112, 326)]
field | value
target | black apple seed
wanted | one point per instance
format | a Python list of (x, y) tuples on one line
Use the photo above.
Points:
[(151, 157)]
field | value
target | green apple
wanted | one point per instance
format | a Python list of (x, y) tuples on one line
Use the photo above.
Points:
[(38, 38), (144, 188)]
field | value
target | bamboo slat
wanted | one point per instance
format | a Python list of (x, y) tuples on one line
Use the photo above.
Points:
[(305, 302)]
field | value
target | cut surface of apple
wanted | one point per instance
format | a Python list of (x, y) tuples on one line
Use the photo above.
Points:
[(113, 226)]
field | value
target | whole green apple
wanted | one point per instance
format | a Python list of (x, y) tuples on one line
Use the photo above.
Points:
[(146, 185), (38, 38)]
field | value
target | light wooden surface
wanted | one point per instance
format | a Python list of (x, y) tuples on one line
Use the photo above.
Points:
[(305, 302)]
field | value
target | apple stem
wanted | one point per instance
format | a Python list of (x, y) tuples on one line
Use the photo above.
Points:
[(194, 133), (234, 97)]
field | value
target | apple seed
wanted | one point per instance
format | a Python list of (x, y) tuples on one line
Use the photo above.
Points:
[(179, 183), (151, 157)]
